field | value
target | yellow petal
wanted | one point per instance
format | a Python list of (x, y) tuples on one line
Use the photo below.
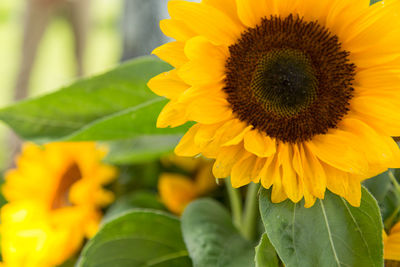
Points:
[(187, 146), (239, 137), (392, 244), (242, 170), (259, 165), (381, 114), (259, 144), (346, 12), (353, 195), (172, 115), (228, 132), (291, 182), (378, 149), (337, 180), (173, 53), (269, 171), (176, 29), (313, 10), (380, 79), (278, 193), (168, 84), (337, 148), (344, 184), (251, 12), (226, 158), (176, 191), (207, 62), (206, 21), (209, 111), (205, 180), (308, 198), (315, 177), (206, 105), (226, 6), (360, 37)]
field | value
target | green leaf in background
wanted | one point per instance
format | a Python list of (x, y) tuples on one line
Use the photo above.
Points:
[(211, 238), (390, 206), (69, 263), (138, 238), (374, 1), (265, 253), (379, 186), (331, 233), (138, 199), (114, 105), (141, 149)]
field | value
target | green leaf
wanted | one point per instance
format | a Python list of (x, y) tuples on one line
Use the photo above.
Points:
[(141, 149), (265, 253), (139, 238), (378, 186), (374, 1), (138, 199), (331, 233), (211, 238), (114, 105), (68, 263)]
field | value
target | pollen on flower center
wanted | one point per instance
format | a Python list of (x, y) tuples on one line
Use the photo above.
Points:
[(284, 82), (289, 78), (61, 195)]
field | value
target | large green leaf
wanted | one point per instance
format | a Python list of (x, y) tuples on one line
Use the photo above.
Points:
[(211, 238), (137, 199), (141, 149), (265, 253), (331, 233), (138, 238), (114, 105)]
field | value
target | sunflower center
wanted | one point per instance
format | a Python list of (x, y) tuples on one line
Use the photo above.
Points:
[(289, 78), (284, 82), (61, 195)]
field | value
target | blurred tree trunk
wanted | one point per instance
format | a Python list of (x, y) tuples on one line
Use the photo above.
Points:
[(37, 17), (140, 27)]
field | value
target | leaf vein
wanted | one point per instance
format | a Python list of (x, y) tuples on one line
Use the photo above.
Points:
[(329, 233)]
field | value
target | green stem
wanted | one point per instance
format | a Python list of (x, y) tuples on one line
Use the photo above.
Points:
[(394, 181), (251, 212), (389, 221), (235, 200)]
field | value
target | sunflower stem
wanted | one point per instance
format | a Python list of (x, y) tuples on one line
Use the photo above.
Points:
[(250, 212), (394, 181), (235, 200)]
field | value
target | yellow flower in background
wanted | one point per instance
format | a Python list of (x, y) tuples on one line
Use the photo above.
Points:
[(55, 195), (392, 244), (177, 190), (298, 95)]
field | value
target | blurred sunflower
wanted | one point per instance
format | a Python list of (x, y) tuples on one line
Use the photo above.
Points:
[(392, 246), (300, 95), (178, 190), (55, 195)]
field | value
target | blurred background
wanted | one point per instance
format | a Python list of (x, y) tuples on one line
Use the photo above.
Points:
[(46, 44)]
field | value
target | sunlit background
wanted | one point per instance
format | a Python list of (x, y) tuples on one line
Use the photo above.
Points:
[(55, 64)]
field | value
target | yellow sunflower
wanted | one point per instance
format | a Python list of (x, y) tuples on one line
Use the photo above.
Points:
[(392, 244), (55, 195), (300, 95), (178, 190)]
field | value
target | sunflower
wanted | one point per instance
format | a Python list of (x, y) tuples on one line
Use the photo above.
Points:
[(178, 190), (392, 245), (55, 195), (300, 95)]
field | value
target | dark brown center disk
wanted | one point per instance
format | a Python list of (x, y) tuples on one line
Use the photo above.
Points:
[(289, 78)]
